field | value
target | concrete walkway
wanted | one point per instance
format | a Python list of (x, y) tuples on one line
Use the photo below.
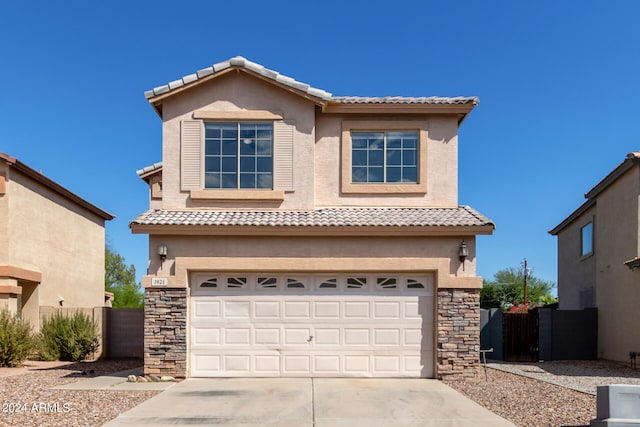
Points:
[(116, 381), (299, 402)]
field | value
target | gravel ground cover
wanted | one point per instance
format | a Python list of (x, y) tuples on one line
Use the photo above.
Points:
[(27, 399), (545, 394)]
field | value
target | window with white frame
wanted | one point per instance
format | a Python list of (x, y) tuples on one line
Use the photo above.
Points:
[(238, 155), (384, 157), (586, 239)]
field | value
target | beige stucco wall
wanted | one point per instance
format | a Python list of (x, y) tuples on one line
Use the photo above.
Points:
[(48, 234), (234, 92), (618, 287), (442, 163), (315, 254), (576, 274), (4, 216)]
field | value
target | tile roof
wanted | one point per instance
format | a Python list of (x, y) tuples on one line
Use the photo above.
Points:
[(240, 62), (145, 170), (324, 217), (405, 100)]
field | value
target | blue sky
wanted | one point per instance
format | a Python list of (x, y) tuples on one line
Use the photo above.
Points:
[(558, 84)]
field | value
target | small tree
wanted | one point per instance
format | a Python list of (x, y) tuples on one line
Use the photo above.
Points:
[(507, 289), (121, 280)]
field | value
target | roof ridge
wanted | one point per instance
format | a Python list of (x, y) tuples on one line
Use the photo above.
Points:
[(239, 62), (244, 63)]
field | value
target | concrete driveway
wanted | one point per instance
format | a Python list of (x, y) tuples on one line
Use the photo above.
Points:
[(299, 402)]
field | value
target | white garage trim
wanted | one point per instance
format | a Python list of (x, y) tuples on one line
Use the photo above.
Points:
[(311, 325)]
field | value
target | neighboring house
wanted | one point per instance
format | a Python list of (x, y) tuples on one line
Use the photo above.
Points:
[(51, 245), (598, 263), (296, 233)]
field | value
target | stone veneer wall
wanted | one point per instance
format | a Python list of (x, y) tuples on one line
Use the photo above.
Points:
[(458, 350), (165, 332)]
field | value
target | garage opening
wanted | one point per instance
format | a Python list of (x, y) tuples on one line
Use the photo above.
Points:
[(311, 325)]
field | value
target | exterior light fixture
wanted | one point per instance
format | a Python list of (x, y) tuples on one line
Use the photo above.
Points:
[(162, 252), (463, 253)]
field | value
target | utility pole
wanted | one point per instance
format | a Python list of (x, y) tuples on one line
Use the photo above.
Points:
[(526, 301)]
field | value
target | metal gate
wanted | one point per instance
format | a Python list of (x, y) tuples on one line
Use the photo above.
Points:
[(521, 337)]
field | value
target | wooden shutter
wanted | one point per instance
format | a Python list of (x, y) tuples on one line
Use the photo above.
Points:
[(191, 155), (283, 155)]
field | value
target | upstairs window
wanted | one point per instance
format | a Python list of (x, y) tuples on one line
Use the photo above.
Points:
[(238, 155), (384, 157), (586, 239)]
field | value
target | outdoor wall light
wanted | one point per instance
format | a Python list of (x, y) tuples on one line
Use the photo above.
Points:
[(162, 252), (463, 253)]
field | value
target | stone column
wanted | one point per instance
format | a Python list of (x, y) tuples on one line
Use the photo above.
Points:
[(458, 347), (165, 332)]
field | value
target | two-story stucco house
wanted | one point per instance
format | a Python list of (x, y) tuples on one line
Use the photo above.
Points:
[(598, 259), (296, 233), (51, 245)]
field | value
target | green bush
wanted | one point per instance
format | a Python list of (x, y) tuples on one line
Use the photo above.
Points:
[(16, 339), (67, 337)]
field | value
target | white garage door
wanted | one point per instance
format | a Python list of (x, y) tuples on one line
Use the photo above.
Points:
[(311, 326)]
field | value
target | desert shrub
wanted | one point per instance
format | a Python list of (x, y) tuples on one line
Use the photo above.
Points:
[(67, 337), (16, 339)]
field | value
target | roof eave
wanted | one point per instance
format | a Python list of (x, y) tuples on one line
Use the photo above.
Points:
[(363, 231), (462, 110), (156, 100), (54, 186), (572, 217), (613, 176)]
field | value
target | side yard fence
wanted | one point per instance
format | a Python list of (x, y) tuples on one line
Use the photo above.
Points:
[(542, 334), (121, 330)]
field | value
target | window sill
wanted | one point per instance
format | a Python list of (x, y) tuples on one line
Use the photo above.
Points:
[(351, 188), (238, 195)]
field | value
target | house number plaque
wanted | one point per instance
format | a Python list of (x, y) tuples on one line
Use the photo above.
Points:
[(159, 281)]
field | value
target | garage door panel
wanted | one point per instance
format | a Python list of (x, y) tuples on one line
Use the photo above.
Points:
[(357, 364), (267, 336), (267, 364), (326, 310), (356, 336), (237, 363), (357, 309), (326, 336), (266, 310), (297, 309), (237, 336), (207, 364), (237, 309), (206, 309), (326, 365), (297, 336), (387, 337), (332, 331), (296, 364), (387, 309), (206, 336)]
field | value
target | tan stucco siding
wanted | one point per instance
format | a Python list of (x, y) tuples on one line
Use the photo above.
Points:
[(4, 216), (441, 163), (239, 92), (576, 274), (62, 241), (617, 287), (316, 254)]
